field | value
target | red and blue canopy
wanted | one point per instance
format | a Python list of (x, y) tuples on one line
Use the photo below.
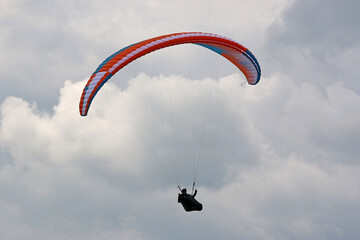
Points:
[(240, 56)]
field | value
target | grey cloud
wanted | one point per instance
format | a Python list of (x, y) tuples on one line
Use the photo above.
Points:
[(326, 26), (310, 41)]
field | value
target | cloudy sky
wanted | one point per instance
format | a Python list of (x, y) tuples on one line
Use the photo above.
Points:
[(279, 160)]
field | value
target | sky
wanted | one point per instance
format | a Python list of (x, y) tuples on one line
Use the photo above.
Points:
[(278, 160)]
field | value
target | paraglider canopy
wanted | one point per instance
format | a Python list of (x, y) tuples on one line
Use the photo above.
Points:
[(240, 56)]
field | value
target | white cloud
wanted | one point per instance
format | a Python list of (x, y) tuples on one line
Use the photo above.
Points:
[(74, 174)]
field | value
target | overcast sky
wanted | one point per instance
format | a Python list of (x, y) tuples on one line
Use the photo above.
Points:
[(279, 160)]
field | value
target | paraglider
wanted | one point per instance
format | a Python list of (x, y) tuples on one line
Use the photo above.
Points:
[(237, 54), (188, 201)]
